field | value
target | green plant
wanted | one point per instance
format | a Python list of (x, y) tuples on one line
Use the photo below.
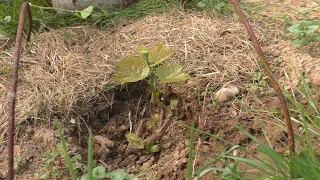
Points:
[(155, 119), (66, 155), (216, 6), (93, 173), (303, 32), (138, 143), (5, 70), (302, 165), (191, 152), (84, 14), (174, 104), (152, 148), (149, 67), (54, 165), (99, 172), (9, 16), (49, 167)]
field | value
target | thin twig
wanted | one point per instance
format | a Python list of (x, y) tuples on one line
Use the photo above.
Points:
[(271, 78), (163, 129), (14, 79)]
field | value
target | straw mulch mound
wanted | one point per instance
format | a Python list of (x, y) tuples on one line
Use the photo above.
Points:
[(65, 73)]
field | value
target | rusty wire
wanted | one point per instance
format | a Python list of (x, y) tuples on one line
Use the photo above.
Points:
[(14, 79), (271, 78)]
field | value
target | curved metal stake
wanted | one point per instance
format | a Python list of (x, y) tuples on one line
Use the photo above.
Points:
[(14, 78)]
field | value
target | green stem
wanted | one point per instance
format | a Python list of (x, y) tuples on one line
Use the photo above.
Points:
[(53, 8), (90, 156), (66, 154), (151, 83)]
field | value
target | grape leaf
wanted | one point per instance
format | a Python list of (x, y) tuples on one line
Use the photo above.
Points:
[(131, 69), (159, 54), (135, 140), (171, 73), (86, 12)]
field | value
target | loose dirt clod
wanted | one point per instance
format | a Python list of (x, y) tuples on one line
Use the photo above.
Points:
[(316, 79)]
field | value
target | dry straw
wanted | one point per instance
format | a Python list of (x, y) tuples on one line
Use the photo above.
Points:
[(65, 72)]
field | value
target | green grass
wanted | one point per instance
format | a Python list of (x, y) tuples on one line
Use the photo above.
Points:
[(9, 27), (191, 153), (44, 18), (67, 157)]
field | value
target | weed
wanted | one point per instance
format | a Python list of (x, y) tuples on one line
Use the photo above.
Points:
[(155, 119), (6, 70), (174, 104), (148, 67), (93, 173), (53, 166), (152, 148), (191, 153), (135, 140), (138, 143), (303, 32), (216, 6), (9, 16), (224, 6)]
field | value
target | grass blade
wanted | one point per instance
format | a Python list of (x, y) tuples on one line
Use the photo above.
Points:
[(191, 152), (90, 156), (66, 154), (280, 162)]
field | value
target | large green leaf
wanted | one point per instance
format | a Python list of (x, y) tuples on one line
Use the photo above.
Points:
[(159, 54), (131, 69), (171, 73)]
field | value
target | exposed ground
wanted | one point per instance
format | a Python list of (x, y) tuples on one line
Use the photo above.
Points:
[(66, 75)]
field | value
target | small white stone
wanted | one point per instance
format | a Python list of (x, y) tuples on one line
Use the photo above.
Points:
[(224, 93)]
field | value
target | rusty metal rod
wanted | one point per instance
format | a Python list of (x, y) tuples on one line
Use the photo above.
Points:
[(14, 79), (271, 78)]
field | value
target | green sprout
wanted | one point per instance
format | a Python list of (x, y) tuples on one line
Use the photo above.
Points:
[(149, 67)]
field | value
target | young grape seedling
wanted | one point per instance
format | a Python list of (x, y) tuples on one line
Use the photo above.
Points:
[(149, 67)]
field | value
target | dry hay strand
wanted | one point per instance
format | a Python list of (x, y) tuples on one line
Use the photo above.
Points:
[(65, 70)]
